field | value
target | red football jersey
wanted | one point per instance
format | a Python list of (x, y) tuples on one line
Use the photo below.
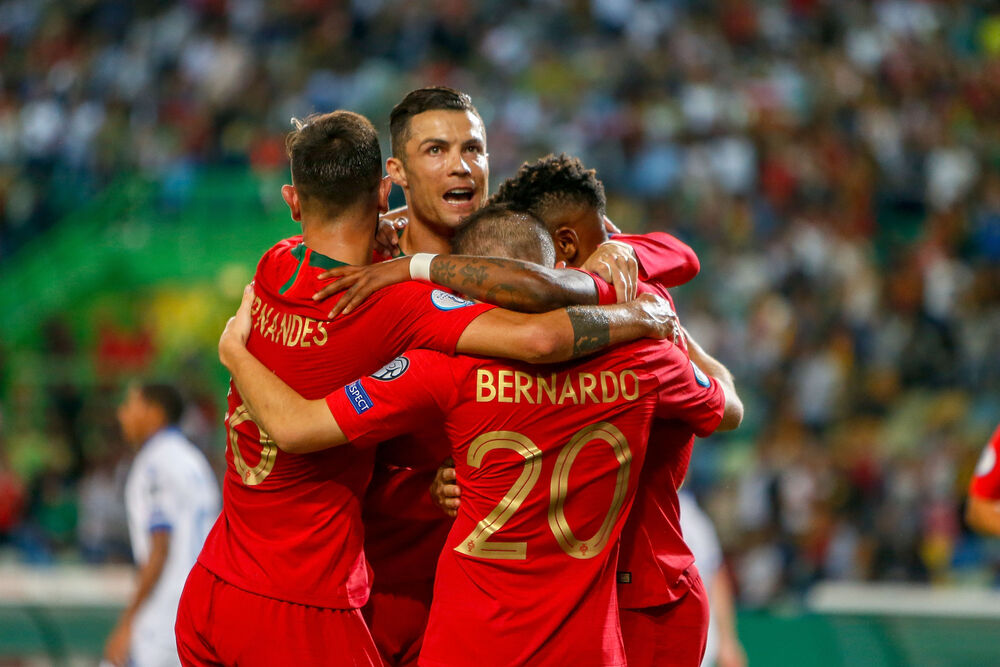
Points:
[(986, 479), (404, 529), (290, 526), (547, 459), (663, 259)]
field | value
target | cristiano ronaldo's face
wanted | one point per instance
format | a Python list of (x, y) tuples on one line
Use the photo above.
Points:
[(444, 172)]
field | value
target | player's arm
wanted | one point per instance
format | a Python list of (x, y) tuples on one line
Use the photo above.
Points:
[(567, 333), (296, 425), (662, 258), (508, 283), (116, 649), (733, 415), (721, 602)]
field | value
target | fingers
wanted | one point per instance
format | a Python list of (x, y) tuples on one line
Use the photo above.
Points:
[(629, 270), (632, 271), (339, 271), (337, 286), (610, 227), (619, 281), (351, 299)]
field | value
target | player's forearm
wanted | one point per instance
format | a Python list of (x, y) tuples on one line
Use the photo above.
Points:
[(594, 328), (721, 602), (733, 415), (567, 333), (513, 284), (295, 424), (983, 516), (150, 572)]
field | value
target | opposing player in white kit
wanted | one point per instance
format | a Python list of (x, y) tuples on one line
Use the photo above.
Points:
[(172, 500), (724, 648)]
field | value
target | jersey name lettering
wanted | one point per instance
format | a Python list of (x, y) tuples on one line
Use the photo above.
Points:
[(508, 386), (287, 329)]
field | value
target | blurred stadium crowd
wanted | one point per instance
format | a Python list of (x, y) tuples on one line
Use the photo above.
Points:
[(835, 164)]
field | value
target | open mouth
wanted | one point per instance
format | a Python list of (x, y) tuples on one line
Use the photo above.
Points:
[(459, 195)]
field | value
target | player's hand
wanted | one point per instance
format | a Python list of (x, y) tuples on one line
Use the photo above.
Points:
[(119, 644), (387, 235), (731, 654), (444, 489), (361, 281), (616, 263), (610, 227), (238, 327), (659, 317)]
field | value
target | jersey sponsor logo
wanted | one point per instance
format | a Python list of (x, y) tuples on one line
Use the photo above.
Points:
[(444, 301), (392, 370), (508, 386), (987, 461), (358, 397), (700, 377)]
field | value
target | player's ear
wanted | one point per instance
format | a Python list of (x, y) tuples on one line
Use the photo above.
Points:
[(397, 172), (384, 188), (291, 197), (567, 245)]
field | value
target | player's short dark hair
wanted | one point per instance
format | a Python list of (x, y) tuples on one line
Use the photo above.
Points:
[(552, 181), (500, 231), (335, 158), (166, 397), (431, 98)]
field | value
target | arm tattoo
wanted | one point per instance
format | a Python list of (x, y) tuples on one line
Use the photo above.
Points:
[(474, 275), (442, 270), (591, 329)]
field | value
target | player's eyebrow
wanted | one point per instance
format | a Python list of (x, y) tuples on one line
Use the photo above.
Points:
[(433, 140)]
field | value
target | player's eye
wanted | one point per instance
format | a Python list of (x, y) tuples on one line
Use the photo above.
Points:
[(478, 150), (434, 150)]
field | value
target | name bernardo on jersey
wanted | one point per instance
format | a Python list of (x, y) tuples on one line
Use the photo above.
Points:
[(508, 386), (287, 329)]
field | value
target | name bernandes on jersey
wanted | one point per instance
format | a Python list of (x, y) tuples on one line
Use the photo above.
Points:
[(287, 329)]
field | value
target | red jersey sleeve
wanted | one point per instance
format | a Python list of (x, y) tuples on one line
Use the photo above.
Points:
[(419, 316), (663, 258), (407, 394), (605, 290), (986, 479), (686, 392)]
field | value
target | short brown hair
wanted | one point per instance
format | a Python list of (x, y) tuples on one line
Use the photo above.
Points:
[(500, 231), (431, 98), (335, 158), (166, 397)]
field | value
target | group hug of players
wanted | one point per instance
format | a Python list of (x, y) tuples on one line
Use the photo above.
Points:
[(569, 429)]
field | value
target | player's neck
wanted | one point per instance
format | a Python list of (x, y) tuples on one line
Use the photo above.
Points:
[(419, 236), (349, 241)]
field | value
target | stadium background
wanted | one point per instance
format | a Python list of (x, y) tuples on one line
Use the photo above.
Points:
[(835, 164)]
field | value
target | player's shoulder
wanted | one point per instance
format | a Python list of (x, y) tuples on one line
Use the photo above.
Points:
[(421, 361), (987, 463), (171, 450), (283, 253), (415, 294)]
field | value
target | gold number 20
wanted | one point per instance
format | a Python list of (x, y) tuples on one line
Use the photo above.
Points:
[(251, 476), (478, 542)]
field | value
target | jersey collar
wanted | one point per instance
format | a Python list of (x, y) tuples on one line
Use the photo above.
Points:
[(307, 255)]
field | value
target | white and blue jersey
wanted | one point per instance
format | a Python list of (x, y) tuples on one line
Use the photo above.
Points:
[(170, 487)]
